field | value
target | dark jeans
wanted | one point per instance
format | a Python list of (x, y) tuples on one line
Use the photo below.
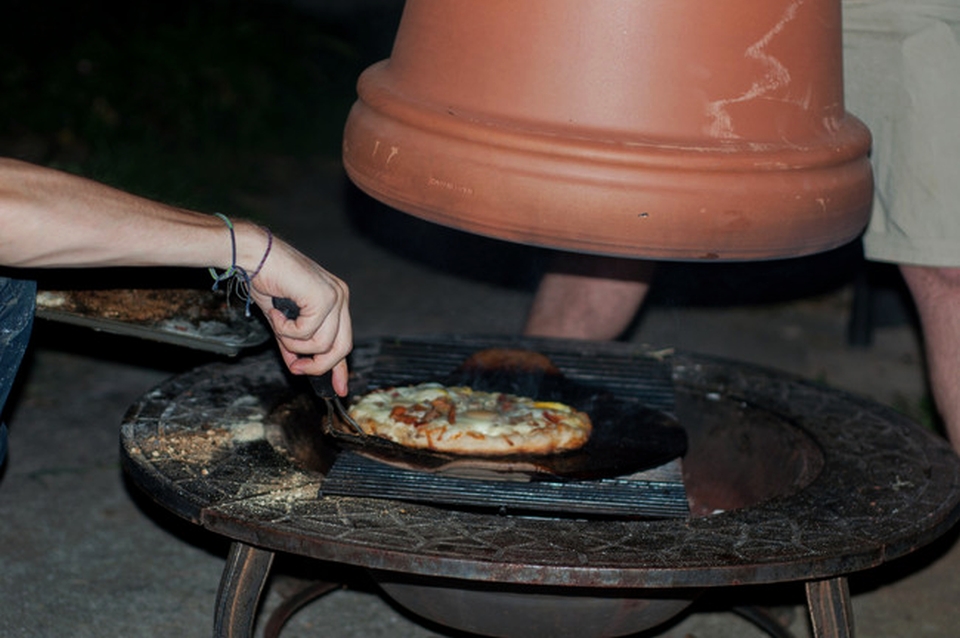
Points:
[(17, 304)]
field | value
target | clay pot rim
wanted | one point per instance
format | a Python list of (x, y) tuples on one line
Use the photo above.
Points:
[(848, 142)]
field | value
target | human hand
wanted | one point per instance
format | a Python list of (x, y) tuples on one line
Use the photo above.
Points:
[(319, 336)]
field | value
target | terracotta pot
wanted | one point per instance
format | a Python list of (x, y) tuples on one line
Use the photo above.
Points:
[(669, 129)]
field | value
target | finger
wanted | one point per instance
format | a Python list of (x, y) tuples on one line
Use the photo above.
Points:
[(290, 359), (324, 341), (340, 378), (334, 335), (300, 364), (324, 300), (303, 328), (319, 363)]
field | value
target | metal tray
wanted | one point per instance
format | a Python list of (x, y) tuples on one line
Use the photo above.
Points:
[(222, 329)]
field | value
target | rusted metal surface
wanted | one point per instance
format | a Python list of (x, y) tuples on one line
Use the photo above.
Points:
[(831, 614), (854, 484), (239, 593), (294, 603)]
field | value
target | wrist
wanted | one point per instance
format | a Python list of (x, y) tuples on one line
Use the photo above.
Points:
[(239, 275), (254, 244)]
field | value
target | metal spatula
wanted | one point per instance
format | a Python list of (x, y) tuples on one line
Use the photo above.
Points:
[(323, 387)]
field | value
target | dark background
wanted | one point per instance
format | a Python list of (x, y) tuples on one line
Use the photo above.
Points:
[(207, 104)]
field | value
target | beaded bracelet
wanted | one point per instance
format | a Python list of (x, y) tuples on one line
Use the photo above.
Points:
[(237, 279)]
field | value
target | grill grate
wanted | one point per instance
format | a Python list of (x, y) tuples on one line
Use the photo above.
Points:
[(655, 493), (637, 376)]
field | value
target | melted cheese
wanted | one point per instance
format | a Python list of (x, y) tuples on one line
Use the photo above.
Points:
[(478, 414)]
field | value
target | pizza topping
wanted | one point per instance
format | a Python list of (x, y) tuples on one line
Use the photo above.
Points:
[(550, 416), (460, 419)]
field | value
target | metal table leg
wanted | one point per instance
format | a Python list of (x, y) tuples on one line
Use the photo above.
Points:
[(292, 605), (830, 611), (241, 584)]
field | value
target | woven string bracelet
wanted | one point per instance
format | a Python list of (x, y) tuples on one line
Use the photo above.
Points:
[(266, 253), (229, 272), (238, 281)]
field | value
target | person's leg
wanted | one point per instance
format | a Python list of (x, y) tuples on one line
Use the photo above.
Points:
[(902, 78), (588, 297), (17, 302), (936, 292)]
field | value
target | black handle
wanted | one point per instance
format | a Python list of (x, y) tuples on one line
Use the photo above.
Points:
[(323, 385), (288, 307)]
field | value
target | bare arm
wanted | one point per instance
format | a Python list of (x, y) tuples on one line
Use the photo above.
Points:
[(50, 219)]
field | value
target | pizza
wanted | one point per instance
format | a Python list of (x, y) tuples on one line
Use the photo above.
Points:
[(461, 420)]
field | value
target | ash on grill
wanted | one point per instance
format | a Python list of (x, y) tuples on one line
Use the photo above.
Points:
[(196, 447)]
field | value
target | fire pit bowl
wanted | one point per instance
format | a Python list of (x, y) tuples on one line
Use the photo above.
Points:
[(787, 480), (508, 611), (740, 455)]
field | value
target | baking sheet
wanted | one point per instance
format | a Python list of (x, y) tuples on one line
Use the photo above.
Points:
[(198, 319)]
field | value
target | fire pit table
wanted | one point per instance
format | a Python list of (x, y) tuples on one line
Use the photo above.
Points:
[(787, 480)]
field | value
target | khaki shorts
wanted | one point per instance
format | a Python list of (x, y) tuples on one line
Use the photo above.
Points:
[(902, 78)]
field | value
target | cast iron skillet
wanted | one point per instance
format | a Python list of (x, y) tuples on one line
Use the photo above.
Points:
[(627, 436)]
